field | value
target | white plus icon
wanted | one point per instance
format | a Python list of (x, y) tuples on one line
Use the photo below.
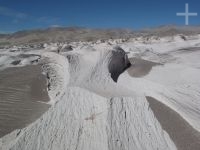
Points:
[(187, 14)]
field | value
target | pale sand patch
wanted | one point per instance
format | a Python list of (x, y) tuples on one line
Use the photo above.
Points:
[(140, 67), (20, 90), (183, 135)]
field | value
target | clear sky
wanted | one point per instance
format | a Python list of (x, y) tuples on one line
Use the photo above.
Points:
[(29, 14)]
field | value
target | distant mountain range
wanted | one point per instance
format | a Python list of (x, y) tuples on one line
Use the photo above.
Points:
[(69, 34)]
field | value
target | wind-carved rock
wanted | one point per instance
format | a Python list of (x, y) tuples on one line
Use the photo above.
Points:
[(118, 63)]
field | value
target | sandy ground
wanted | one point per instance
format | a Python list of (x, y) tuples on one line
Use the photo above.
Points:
[(20, 90), (183, 135), (140, 67)]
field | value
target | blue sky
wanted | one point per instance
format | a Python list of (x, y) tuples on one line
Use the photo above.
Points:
[(18, 15)]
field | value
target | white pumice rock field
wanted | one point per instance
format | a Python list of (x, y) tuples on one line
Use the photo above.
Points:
[(97, 105)]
